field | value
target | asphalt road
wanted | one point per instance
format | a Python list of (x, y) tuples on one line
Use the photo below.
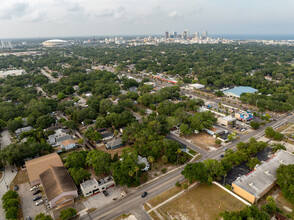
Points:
[(134, 201)]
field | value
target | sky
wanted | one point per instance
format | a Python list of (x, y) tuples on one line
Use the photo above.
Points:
[(51, 18)]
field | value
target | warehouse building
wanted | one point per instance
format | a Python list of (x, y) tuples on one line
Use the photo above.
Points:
[(237, 91), (39, 165), (59, 187), (257, 183)]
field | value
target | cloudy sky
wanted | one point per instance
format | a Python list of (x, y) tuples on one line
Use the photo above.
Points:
[(48, 18)]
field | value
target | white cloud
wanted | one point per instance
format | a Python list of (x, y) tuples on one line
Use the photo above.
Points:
[(175, 14)]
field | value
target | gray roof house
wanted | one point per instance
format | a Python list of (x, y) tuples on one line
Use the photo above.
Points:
[(24, 129), (116, 143)]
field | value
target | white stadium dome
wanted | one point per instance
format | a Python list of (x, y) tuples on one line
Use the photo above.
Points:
[(55, 43)]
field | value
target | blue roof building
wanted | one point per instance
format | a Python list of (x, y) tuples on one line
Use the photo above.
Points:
[(237, 91)]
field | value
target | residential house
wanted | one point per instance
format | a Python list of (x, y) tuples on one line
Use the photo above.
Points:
[(19, 131), (116, 143), (59, 136), (68, 144), (144, 161)]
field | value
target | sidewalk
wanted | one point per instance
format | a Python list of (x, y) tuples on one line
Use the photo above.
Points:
[(8, 176)]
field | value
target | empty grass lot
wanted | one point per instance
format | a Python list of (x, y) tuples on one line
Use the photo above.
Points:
[(201, 202)]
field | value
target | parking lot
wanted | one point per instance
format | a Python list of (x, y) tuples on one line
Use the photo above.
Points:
[(99, 200), (242, 169), (28, 205)]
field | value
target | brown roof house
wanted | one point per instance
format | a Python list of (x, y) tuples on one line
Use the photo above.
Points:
[(58, 186), (37, 166)]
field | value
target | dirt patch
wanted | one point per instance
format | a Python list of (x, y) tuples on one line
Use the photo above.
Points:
[(202, 202), (203, 140), (20, 178), (160, 168)]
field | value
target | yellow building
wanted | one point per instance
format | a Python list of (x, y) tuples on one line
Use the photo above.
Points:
[(257, 183)]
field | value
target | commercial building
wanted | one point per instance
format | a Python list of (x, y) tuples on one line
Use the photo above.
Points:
[(55, 43), (92, 186), (6, 73), (196, 86), (227, 120), (237, 91), (58, 186), (258, 182), (244, 115), (39, 165)]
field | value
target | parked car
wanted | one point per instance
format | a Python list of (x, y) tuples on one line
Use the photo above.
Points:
[(28, 218), (105, 193), (34, 188), (15, 187), (37, 198), (222, 155), (40, 202), (36, 192), (144, 194), (225, 149)]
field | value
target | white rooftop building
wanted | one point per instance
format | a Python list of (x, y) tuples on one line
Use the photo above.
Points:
[(258, 182), (6, 73), (196, 86), (92, 186)]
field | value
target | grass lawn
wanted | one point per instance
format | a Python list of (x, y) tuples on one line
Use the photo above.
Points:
[(201, 202), (283, 127), (123, 216), (164, 196)]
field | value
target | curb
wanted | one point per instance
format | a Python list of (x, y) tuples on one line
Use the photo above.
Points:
[(150, 181)]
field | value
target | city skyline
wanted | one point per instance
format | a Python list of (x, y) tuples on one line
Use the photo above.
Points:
[(35, 18)]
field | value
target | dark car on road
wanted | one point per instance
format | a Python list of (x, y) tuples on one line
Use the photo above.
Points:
[(144, 194), (105, 193), (36, 192), (37, 198)]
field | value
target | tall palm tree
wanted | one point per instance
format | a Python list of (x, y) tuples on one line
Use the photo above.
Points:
[(151, 160), (136, 170), (131, 173), (179, 151)]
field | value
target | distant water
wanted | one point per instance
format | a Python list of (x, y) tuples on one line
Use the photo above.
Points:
[(255, 37)]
